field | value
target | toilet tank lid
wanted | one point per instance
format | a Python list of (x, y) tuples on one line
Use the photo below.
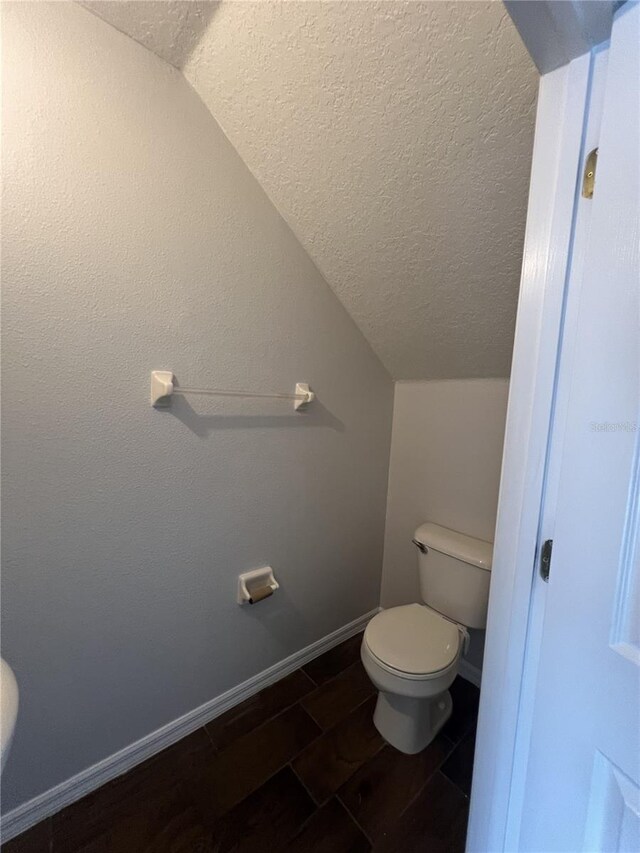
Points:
[(476, 552)]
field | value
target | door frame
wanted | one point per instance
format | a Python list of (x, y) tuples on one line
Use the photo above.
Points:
[(573, 28)]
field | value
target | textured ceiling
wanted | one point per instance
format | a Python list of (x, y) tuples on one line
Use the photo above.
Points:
[(170, 28), (395, 139)]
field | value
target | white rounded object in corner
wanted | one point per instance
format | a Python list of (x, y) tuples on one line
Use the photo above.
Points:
[(8, 709)]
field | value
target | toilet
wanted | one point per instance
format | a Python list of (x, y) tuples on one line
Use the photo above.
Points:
[(411, 652)]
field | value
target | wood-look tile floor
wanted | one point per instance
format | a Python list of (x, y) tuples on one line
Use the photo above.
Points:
[(298, 767)]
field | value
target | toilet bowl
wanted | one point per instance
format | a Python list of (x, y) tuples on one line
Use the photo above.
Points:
[(411, 655), (411, 652)]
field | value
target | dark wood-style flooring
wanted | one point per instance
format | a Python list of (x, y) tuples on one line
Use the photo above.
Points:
[(298, 767)]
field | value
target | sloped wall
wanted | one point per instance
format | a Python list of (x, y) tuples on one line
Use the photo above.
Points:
[(396, 139)]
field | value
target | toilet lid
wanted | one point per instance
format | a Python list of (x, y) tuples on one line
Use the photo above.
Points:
[(413, 639)]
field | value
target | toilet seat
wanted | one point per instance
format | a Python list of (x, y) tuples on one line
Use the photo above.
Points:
[(413, 642)]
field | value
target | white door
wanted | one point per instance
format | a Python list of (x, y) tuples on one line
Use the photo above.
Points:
[(582, 789)]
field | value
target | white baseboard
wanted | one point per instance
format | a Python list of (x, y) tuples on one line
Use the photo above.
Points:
[(469, 672), (44, 805)]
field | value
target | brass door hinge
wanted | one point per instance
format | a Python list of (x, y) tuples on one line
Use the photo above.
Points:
[(589, 177)]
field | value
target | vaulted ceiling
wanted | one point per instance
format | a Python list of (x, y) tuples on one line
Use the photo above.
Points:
[(394, 138)]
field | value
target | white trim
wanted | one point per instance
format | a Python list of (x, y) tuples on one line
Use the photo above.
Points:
[(557, 447), (44, 805), (469, 672), (556, 160)]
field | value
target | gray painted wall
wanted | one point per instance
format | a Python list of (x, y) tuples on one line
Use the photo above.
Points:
[(135, 238)]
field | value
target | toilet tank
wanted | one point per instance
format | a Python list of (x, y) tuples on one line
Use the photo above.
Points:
[(455, 573)]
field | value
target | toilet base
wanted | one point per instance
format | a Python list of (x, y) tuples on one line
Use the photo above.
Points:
[(410, 724)]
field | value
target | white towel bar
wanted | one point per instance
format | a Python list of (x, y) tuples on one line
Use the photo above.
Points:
[(163, 388)]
